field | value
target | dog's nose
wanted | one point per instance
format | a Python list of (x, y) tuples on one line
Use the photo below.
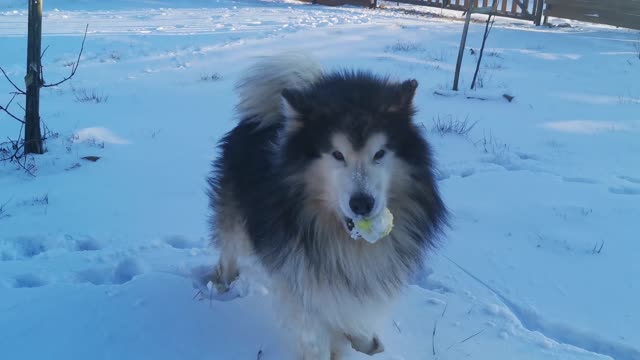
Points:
[(361, 204)]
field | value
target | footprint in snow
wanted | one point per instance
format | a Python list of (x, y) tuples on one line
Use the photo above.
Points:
[(578, 179), (526, 156), (23, 247), (630, 179), (624, 190), (88, 245), (28, 281), (180, 242), (125, 271)]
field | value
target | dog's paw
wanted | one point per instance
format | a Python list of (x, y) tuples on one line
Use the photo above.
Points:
[(222, 278), (212, 286), (369, 346)]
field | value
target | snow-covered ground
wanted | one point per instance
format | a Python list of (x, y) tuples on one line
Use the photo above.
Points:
[(541, 263)]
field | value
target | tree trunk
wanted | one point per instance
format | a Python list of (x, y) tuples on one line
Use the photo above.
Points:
[(33, 80)]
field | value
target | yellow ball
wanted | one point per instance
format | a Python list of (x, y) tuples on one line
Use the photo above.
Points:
[(374, 229), (364, 224)]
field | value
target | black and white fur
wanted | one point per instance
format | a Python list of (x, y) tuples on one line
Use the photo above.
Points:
[(309, 147)]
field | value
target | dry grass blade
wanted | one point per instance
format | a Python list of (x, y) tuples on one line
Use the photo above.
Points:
[(466, 339), (395, 324), (435, 327)]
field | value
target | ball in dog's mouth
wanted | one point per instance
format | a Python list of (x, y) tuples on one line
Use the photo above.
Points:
[(371, 229)]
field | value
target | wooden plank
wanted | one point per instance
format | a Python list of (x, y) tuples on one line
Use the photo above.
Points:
[(520, 6), (485, 3), (514, 6), (611, 15), (593, 5), (457, 7), (596, 7), (483, 10), (511, 15), (504, 5), (632, 3), (363, 3), (525, 7), (537, 12), (610, 18), (434, 4), (586, 9)]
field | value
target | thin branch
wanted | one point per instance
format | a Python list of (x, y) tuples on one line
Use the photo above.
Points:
[(487, 30), (11, 82), (10, 101), (18, 156), (47, 132), (24, 166), (75, 65), (43, 52), (3, 211), (6, 203), (6, 109)]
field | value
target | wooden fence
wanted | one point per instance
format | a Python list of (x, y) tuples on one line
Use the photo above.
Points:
[(520, 9), (622, 13)]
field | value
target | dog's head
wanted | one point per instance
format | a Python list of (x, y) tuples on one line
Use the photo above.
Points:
[(345, 139)]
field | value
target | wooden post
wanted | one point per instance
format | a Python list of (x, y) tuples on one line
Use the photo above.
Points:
[(463, 41), (33, 80), (539, 9)]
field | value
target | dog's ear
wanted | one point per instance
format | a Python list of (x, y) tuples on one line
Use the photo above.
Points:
[(293, 105), (406, 92)]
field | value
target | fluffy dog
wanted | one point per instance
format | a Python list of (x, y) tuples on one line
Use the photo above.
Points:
[(312, 151)]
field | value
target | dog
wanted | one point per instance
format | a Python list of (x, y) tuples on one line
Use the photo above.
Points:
[(312, 151)]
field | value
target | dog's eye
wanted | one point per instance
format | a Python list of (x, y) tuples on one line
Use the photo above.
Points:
[(338, 155), (379, 155)]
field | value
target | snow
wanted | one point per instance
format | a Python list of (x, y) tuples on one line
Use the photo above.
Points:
[(97, 258)]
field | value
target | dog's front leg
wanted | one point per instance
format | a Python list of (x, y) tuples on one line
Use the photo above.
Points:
[(312, 336), (314, 342)]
